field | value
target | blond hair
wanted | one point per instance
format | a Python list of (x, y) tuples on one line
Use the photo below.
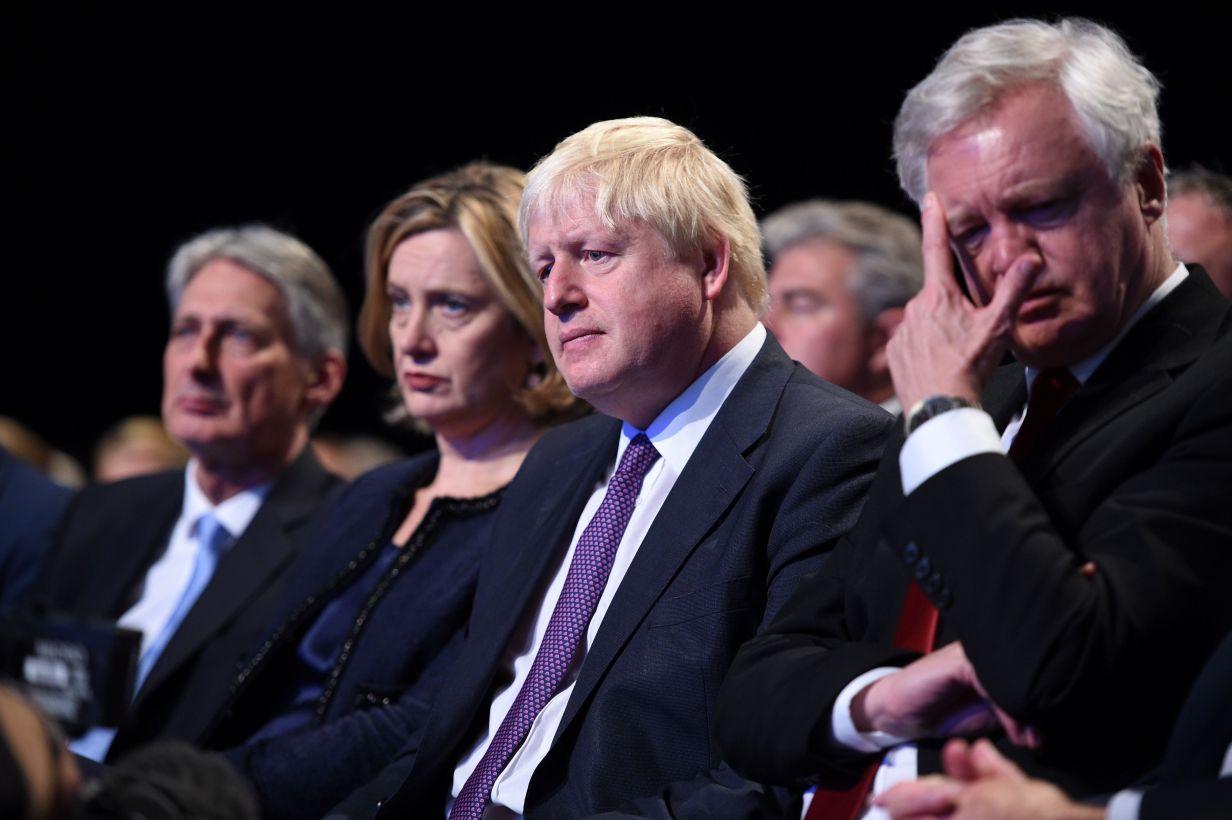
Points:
[(652, 170)]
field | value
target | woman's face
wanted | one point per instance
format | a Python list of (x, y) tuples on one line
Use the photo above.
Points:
[(458, 354)]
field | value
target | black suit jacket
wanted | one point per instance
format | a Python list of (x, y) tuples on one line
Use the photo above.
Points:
[(112, 534), (1133, 475), (780, 474)]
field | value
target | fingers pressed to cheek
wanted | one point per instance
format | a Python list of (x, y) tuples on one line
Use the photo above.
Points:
[(938, 263)]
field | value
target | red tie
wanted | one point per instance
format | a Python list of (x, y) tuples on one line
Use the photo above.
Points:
[(917, 622)]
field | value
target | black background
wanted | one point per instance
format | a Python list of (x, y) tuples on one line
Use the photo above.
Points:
[(128, 131)]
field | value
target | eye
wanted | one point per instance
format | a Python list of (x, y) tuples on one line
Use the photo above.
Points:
[(452, 305), (969, 238), (595, 256), (800, 302), (543, 273), (398, 300), (1048, 213)]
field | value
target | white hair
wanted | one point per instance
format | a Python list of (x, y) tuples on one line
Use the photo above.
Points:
[(1112, 93), (316, 304)]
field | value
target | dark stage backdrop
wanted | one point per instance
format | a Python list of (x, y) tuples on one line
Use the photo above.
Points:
[(129, 131)]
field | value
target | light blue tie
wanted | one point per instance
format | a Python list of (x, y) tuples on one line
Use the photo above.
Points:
[(212, 537)]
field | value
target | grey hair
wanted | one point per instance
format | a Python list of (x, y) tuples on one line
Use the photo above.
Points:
[(889, 268), (316, 304), (1112, 93), (1216, 188)]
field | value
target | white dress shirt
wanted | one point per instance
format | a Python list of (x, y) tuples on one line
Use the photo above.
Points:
[(168, 577), (675, 433), (935, 445)]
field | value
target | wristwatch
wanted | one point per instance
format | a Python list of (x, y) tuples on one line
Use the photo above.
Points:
[(933, 406)]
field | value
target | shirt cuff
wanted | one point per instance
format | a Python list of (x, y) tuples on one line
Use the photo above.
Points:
[(844, 729), (945, 440), (1125, 805)]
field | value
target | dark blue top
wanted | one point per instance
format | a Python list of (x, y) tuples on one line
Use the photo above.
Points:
[(30, 507), (376, 685)]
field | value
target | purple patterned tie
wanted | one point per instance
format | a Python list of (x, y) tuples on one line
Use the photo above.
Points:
[(592, 561)]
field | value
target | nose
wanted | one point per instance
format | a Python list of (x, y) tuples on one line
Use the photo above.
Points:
[(413, 335), (563, 293), (203, 357), (1010, 241)]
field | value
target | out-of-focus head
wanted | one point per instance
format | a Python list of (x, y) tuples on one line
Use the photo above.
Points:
[(137, 445), (451, 309), (647, 250), (1041, 142), (257, 349), (1199, 220), (840, 275)]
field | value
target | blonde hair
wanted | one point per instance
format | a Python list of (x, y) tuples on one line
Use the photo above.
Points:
[(479, 200), (650, 169)]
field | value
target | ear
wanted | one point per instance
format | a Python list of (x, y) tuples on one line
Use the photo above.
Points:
[(715, 260), (878, 334), (1149, 179), (325, 380)]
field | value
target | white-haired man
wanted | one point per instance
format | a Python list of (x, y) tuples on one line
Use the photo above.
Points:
[(641, 547), (840, 275), (1068, 524), (194, 558)]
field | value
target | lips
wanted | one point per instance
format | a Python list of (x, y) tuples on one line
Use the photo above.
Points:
[(201, 405), (576, 335), (1040, 304), (421, 381)]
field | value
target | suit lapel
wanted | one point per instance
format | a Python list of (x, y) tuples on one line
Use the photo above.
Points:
[(714, 477), (146, 538), (247, 567)]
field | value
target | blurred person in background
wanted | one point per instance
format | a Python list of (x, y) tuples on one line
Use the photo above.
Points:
[(1199, 218), (137, 445), (30, 506), (839, 277)]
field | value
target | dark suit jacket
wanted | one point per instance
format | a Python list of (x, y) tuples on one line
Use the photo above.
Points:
[(30, 506), (1187, 785), (112, 534), (1133, 475), (404, 639), (779, 476)]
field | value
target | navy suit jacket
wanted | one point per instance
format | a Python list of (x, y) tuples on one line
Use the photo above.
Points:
[(30, 506), (112, 534), (780, 474), (1133, 475)]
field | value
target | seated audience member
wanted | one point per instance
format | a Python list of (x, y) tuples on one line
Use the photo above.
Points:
[(1046, 541), (30, 507), (30, 447), (379, 601), (1199, 217), (839, 277), (195, 557), (138, 445), (636, 550), (1194, 781), (39, 779)]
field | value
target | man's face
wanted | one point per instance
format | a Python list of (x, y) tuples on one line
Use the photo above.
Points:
[(1202, 233), (815, 316), (625, 317), (233, 385), (1019, 181)]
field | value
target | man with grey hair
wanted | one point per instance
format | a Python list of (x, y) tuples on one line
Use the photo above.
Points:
[(840, 275), (193, 558), (1059, 531), (1199, 217)]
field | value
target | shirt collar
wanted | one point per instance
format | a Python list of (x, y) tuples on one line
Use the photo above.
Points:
[(1083, 369), (676, 431), (236, 513)]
